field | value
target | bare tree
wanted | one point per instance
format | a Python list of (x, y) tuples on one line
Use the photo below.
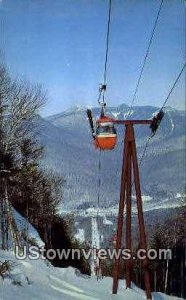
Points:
[(19, 105), (23, 105)]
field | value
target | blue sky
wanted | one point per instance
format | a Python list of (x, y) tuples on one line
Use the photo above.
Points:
[(61, 44)]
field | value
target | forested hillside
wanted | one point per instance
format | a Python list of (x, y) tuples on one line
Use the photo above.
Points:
[(70, 152)]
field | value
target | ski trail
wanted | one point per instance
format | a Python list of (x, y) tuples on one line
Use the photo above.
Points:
[(95, 241)]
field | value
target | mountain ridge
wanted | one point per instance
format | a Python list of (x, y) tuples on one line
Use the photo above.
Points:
[(69, 151)]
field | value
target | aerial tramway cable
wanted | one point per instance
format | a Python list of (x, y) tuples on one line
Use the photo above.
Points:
[(99, 183), (101, 100), (142, 70), (161, 109), (103, 86), (145, 57), (107, 42), (102, 91), (102, 103), (173, 86)]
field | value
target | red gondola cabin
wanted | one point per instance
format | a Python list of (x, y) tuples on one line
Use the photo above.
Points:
[(106, 136)]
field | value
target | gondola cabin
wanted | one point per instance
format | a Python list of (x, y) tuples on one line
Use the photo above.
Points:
[(106, 136)]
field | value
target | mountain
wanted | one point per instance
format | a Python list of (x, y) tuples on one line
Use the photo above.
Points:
[(69, 151)]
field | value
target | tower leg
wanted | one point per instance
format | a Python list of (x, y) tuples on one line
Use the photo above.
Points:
[(121, 212), (143, 243), (129, 160), (128, 220)]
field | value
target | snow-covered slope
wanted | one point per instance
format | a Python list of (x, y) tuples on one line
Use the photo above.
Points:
[(38, 280), (23, 224)]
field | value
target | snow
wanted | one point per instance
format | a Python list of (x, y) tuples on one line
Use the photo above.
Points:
[(171, 120), (178, 195), (39, 280), (95, 241), (148, 202), (80, 236), (128, 114), (106, 221), (32, 232), (115, 114), (95, 234), (154, 114)]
